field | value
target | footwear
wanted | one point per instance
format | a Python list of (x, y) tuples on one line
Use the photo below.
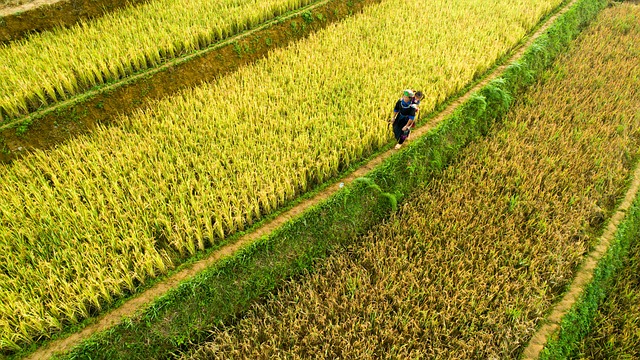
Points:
[(398, 146)]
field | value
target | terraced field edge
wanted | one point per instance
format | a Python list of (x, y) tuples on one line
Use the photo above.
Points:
[(219, 294)]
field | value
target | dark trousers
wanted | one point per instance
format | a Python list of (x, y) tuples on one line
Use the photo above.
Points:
[(400, 135)]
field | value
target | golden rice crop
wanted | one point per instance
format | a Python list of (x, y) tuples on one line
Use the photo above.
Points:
[(52, 66), (100, 214), (472, 262)]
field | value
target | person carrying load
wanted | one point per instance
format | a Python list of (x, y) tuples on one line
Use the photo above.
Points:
[(403, 117), (415, 102)]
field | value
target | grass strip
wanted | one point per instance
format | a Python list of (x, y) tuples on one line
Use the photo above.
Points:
[(614, 333), (219, 294)]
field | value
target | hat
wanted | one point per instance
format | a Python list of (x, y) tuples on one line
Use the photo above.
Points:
[(408, 93)]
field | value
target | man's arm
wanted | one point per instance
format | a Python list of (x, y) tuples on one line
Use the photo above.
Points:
[(412, 118), (409, 124)]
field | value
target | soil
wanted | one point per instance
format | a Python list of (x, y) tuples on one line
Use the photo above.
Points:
[(81, 115), (137, 304), (22, 17), (8, 7)]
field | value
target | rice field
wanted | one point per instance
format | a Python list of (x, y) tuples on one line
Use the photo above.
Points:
[(56, 65), (94, 218), (473, 261), (615, 334)]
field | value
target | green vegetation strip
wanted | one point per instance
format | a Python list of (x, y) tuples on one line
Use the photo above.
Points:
[(218, 295)]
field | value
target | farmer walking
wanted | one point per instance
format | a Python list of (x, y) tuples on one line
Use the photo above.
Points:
[(403, 117)]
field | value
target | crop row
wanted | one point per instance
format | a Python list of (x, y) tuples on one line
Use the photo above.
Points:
[(52, 66), (472, 262), (91, 219)]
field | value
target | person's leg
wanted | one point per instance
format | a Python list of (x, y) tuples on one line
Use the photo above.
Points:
[(397, 132)]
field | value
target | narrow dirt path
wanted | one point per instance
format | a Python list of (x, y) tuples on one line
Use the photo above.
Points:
[(583, 276), (14, 9), (138, 303)]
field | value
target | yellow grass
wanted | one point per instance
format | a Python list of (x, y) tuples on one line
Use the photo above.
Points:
[(473, 261), (83, 223)]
